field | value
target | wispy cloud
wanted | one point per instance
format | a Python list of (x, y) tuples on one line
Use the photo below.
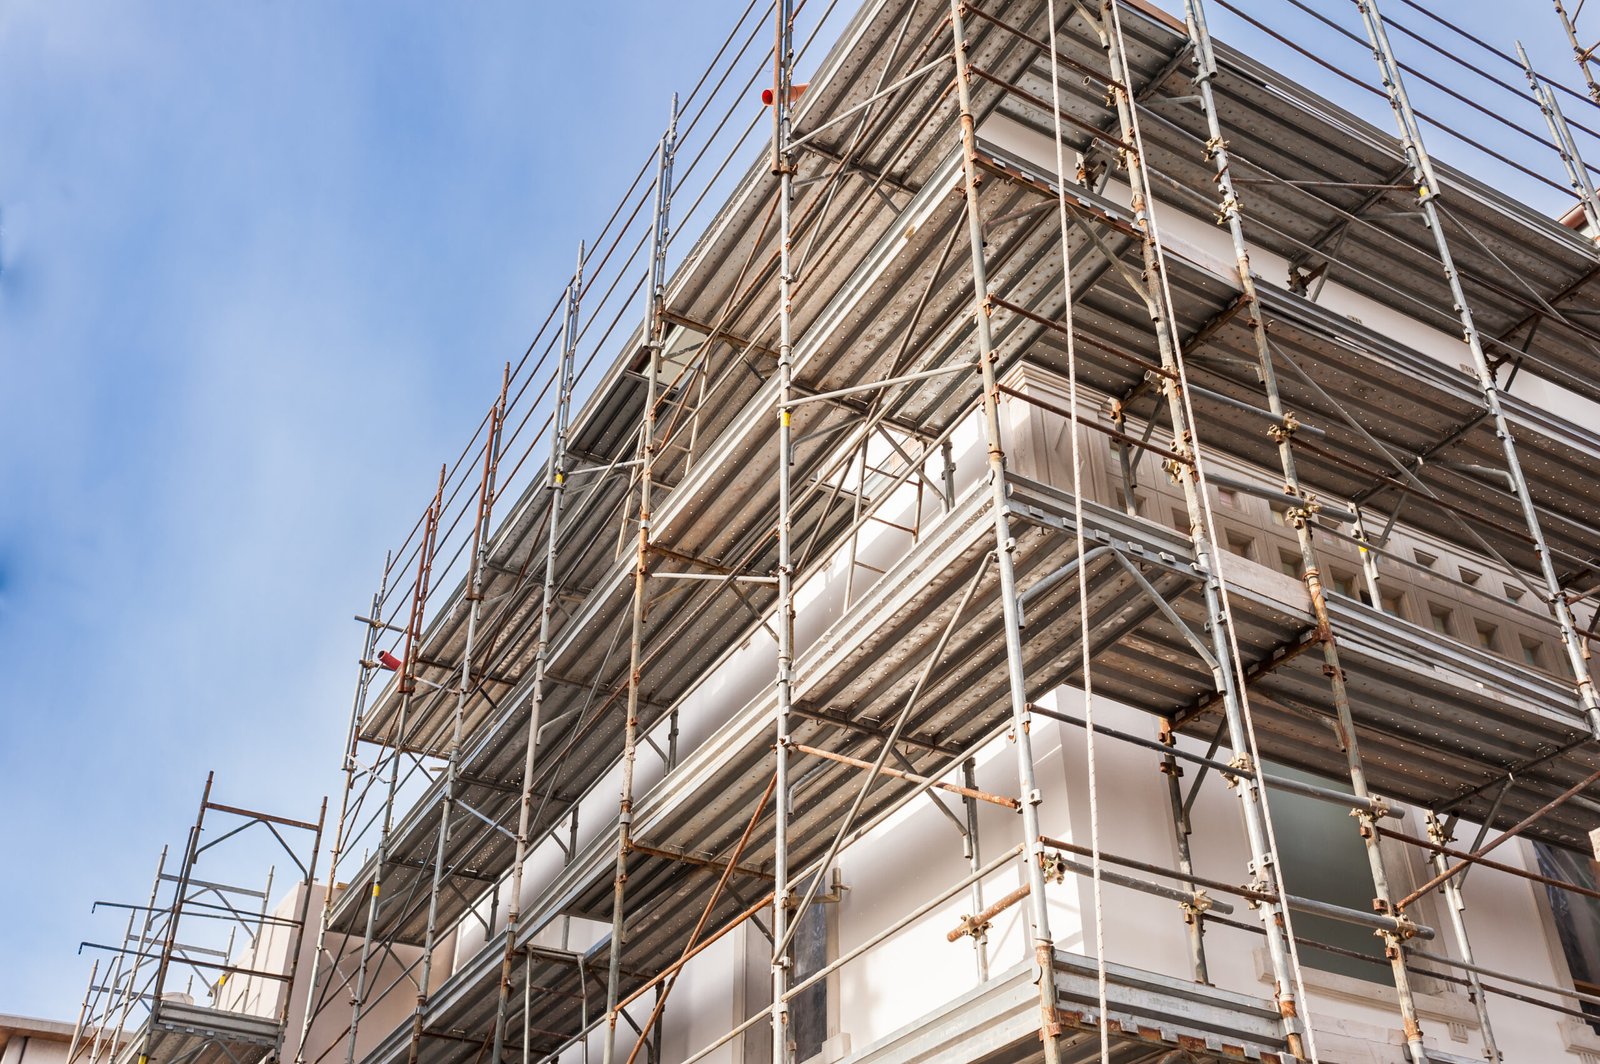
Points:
[(259, 266)]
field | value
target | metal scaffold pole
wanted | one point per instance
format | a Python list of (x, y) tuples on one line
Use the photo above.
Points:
[(170, 940), (654, 331), (555, 487), (368, 667), (1171, 383), (1021, 717), (407, 688), (973, 852), (130, 995), (1583, 56), (783, 169), (1194, 917), (88, 994), (477, 558), (310, 881), (1300, 517), (119, 981), (1429, 192), (1566, 146), (1456, 904)]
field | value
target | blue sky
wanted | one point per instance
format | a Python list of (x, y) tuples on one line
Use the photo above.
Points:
[(260, 264)]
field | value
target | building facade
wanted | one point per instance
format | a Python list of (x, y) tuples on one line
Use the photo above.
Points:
[(1104, 536)]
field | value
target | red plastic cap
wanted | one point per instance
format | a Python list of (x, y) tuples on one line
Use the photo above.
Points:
[(794, 94)]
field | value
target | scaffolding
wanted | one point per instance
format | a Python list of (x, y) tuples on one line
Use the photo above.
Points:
[(197, 926), (876, 297)]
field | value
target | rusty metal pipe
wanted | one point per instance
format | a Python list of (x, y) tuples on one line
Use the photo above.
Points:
[(1509, 834)]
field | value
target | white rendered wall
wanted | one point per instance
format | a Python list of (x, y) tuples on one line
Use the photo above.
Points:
[(22, 1048)]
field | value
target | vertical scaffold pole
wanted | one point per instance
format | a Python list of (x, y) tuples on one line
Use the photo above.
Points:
[(297, 938), (1584, 56), (1566, 146), (783, 169), (556, 489), (653, 329), (180, 893), (130, 994), (88, 994), (1194, 916), (1021, 717), (118, 1001), (477, 557), (1300, 516), (407, 688), (1163, 321), (971, 844), (1457, 906), (1369, 560), (1421, 164), (368, 668)]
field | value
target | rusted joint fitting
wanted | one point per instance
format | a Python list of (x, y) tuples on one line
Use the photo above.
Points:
[(1197, 906), (1241, 766), (1286, 428), (1392, 938), (1299, 515), (969, 927)]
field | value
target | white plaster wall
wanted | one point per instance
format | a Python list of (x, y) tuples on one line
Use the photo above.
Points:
[(391, 997), (33, 1049)]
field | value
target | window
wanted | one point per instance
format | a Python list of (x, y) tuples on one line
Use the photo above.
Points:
[(1242, 545), (1344, 584), (1439, 617), (1469, 577), (1532, 652), (1514, 592), (1487, 634), (1180, 520), (1577, 918), (1289, 563), (1323, 857), (1426, 560), (809, 1021), (1228, 497), (1280, 514), (1394, 603)]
